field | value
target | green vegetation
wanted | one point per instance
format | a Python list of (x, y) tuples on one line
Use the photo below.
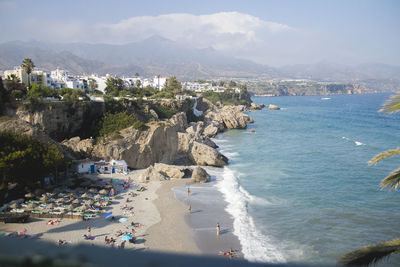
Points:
[(138, 125), (28, 65), (111, 123), (228, 97), (164, 112), (41, 91), (72, 95), (25, 160)]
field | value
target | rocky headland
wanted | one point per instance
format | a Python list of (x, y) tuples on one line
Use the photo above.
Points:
[(166, 147)]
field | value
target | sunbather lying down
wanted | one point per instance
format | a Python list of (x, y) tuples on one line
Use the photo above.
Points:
[(141, 189), (53, 222)]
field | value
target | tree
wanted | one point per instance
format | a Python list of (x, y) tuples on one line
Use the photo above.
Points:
[(3, 93), (25, 160), (114, 86), (371, 254), (174, 85), (28, 65), (137, 74), (138, 83), (92, 84)]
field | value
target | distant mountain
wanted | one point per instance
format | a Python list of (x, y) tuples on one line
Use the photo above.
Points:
[(158, 55), (152, 56)]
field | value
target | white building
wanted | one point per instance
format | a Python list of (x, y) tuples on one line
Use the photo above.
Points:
[(119, 166), (85, 166)]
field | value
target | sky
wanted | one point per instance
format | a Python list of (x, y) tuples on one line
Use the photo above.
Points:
[(275, 33)]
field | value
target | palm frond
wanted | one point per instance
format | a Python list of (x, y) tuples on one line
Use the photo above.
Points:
[(384, 155), (392, 180), (392, 105), (368, 255)]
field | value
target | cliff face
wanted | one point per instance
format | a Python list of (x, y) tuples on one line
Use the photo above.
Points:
[(59, 120)]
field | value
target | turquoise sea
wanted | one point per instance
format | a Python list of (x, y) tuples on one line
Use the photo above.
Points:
[(300, 190)]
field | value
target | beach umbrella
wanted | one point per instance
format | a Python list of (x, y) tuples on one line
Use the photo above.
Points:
[(127, 237), (14, 205), (123, 220), (44, 198), (50, 206), (60, 200), (98, 196), (29, 195), (39, 192), (103, 192), (31, 206), (85, 195), (76, 201), (71, 207), (107, 215), (82, 208), (93, 190), (90, 202)]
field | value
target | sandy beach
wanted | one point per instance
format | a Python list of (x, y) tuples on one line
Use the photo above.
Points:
[(160, 215)]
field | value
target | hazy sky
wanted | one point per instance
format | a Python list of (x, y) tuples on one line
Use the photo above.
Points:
[(270, 32)]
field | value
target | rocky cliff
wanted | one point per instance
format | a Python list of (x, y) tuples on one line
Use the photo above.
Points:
[(59, 120)]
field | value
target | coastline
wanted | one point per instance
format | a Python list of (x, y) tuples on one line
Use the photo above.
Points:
[(171, 233)]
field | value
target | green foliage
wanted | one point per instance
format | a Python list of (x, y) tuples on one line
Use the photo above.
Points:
[(28, 65), (115, 122), (228, 97), (92, 84), (25, 160), (40, 91), (164, 112), (3, 93), (138, 125), (72, 95), (12, 83), (5, 118), (114, 86), (164, 94)]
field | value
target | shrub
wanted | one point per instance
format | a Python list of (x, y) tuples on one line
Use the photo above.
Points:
[(138, 125)]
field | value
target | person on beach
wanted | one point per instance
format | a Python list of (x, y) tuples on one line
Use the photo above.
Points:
[(89, 232), (188, 192), (190, 208), (218, 229)]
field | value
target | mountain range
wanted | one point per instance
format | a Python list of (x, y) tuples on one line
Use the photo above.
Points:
[(158, 55)]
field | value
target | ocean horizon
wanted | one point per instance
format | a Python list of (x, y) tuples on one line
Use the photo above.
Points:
[(299, 189)]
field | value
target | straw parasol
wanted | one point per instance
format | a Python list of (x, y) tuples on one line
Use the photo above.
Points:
[(31, 206), (44, 198), (85, 195), (103, 192), (93, 190), (29, 195), (50, 206), (98, 196), (76, 201), (82, 208), (70, 207), (60, 200), (14, 205), (90, 202)]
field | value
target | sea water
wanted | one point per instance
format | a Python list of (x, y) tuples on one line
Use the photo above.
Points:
[(299, 188)]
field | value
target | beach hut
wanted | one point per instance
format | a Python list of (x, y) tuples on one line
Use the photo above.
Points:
[(119, 166), (85, 166)]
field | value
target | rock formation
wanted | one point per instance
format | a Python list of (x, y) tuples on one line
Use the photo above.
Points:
[(151, 174), (199, 175), (273, 107)]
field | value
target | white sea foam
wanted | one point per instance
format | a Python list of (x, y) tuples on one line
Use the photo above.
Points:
[(357, 143), (255, 245), (230, 154)]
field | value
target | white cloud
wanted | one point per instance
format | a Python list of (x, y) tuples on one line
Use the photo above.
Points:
[(223, 31)]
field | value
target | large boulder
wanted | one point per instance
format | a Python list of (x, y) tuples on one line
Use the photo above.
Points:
[(210, 131), (151, 174), (273, 107), (179, 120), (201, 154), (229, 117), (199, 175), (140, 149), (84, 146), (172, 171)]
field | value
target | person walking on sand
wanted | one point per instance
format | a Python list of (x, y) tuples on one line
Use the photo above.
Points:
[(188, 192), (190, 208), (218, 229), (89, 232)]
